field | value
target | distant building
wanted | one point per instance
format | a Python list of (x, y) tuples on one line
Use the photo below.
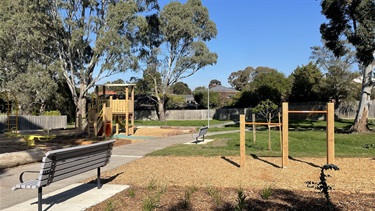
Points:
[(190, 102), (225, 92)]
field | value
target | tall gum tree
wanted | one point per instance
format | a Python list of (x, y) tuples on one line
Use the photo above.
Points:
[(95, 39), (27, 58), (353, 21), (175, 47)]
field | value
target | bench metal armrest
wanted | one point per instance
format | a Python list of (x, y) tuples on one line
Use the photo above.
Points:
[(21, 175)]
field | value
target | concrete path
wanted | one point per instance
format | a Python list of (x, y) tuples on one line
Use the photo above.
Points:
[(19, 199)]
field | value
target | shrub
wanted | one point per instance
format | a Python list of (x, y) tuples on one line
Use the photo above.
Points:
[(52, 113)]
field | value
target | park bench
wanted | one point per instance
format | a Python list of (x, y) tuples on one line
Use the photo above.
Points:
[(202, 132), (64, 163)]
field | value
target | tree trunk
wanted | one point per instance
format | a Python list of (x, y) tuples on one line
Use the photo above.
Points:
[(360, 121), (81, 106), (42, 108), (161, 111)]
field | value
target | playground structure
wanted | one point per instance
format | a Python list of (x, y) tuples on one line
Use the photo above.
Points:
[(285, 132), (11, 109), (103, 111)]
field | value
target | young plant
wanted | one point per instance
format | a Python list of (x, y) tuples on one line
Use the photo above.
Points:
[(241, 200), (152, 185), (109, 206), (131, 193), (214, 193), (186, 201), (155, 191), (268, 110), (266, 193), (150, 203), (322, 186)]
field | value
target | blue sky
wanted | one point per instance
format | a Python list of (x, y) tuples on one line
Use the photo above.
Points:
[(271, 33)]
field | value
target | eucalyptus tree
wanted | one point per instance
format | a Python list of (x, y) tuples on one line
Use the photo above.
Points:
[(87, 40), (353, 21), (174, 47), (27, 56), (241, 78), (95, 39), (339, 84)]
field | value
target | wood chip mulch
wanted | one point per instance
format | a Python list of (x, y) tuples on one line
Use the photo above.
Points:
[(216, 181)]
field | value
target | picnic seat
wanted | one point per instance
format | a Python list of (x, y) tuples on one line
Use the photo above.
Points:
[(202, 132), (64, 163)]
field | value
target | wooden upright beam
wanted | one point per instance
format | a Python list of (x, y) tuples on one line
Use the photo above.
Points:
[(242, 141), (285, 128), (131, 110), (330, 133), (254, 129), (127, 132)]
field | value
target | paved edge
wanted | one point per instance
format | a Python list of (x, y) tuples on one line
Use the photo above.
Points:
[(75, 197)]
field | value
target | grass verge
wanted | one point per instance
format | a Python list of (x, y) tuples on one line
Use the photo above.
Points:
[(308, 143)]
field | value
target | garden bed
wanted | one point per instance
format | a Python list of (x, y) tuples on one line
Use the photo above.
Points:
[(165, 182)]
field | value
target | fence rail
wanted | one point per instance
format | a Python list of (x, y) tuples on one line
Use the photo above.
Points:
[(343, 112), (57, 122), (36, 122)]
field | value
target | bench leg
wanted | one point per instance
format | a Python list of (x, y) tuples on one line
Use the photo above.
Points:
[(40, 199), (98, 179)]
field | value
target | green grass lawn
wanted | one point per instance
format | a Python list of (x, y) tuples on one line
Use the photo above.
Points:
[(181, 123), (303, 143)]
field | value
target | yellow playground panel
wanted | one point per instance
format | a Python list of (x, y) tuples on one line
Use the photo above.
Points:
[(108, 106)]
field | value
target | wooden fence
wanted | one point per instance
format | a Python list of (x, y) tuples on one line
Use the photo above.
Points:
[(342, 112), (36, 122)]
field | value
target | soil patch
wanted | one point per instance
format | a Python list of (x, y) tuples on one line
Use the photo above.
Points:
[(163, 131)]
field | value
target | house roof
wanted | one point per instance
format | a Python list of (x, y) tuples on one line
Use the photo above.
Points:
[(219, 88), (115, 85)]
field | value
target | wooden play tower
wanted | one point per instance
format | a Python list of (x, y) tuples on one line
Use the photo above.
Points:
[(107, 108)]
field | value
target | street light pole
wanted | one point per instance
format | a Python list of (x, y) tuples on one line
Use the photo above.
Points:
[(208, 106)]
